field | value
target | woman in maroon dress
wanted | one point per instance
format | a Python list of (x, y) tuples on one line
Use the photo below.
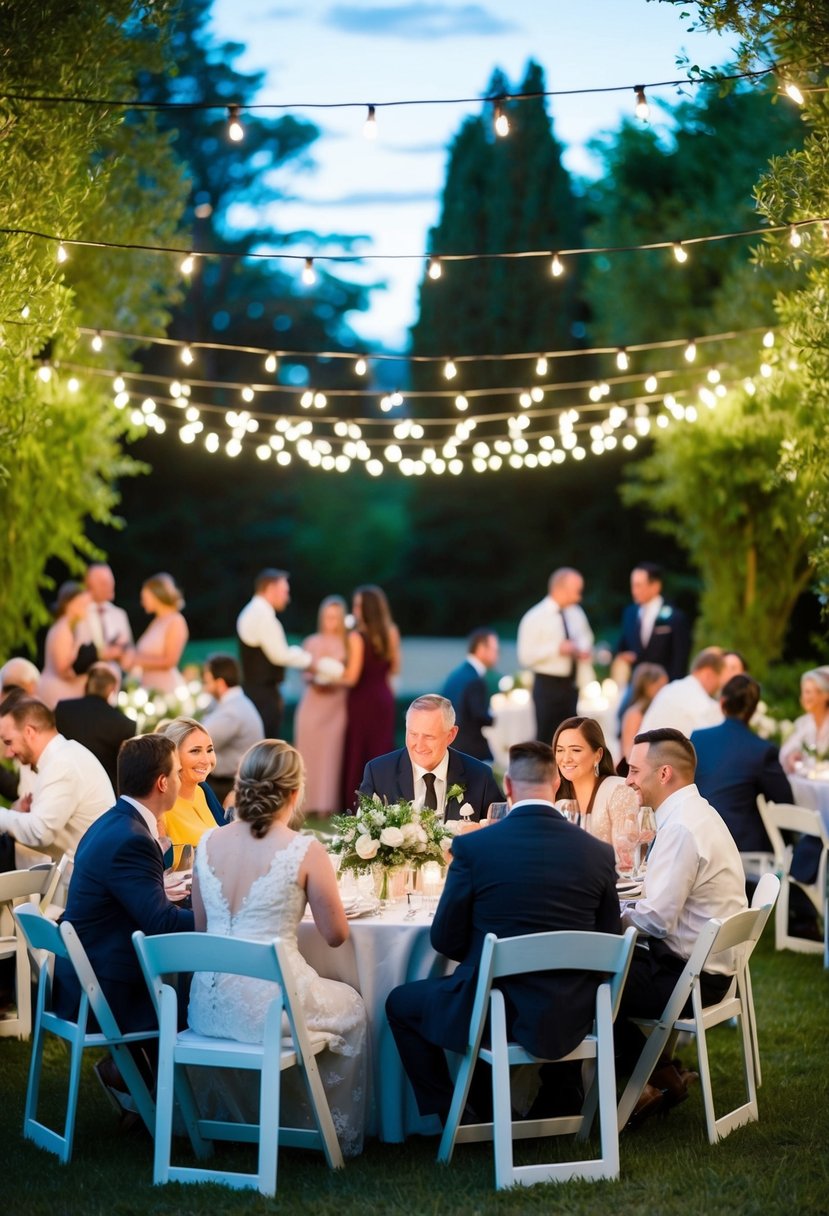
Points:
[(373, 658)]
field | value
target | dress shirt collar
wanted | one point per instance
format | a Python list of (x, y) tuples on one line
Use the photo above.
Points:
[(474, 661), (148, 817), (535, 802), (673, 802), (232, 694), (51, 749), (441, 771)]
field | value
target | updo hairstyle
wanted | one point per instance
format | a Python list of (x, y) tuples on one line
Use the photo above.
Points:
[(269, 772)]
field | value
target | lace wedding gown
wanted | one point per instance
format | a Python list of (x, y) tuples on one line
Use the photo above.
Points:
[(231, 1006)]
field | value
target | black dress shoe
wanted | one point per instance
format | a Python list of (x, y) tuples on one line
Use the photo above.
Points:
[(651, 1102)]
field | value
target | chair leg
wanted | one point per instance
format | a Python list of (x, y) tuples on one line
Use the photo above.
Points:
[(606, 1083), (651, 1051), (501, 1104), (75, 1062), (33, 1088), (269, 1088), (459, 1097), (322, 1114), (165, 1088)]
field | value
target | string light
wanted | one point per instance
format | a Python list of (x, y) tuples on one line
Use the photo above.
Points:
[(247, 394), (768, 339), (370, 125), (651, 384), (433, 268), (188, 264), (541, 366), (622, 360), (187, 356), (97, 342), (792, 91), (680, 252), (501, 120), (235, 130), (309, 275), (360, 367), (73, 384), (643, 110), (461, 403), (62, 255), (25, 312), (690, 352), (795, 239), (271, 363), (44, 372), (556, 267), (449, 369)]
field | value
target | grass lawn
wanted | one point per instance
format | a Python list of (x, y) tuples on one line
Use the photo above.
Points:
[(779, 1165)]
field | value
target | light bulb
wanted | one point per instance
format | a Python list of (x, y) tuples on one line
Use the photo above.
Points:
[(541, 366), (73, 384), (97, 342), (680, 252), (650, 384), (449, 370), (642, 108), (461, 403), (25, 311), (501, 121), (370, 125), (119, 384), (247, 393), (44, 372), (270, 363), (61, 254), (556, 266), (795, 239), (309, 275), (361, 367), (690, 352), (235, 130), (794, 92), (622, 361), (434, 268), (187, 355), (188, 264), (768, 339)]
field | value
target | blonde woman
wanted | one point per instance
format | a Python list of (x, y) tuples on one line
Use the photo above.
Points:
[(159, 649), (191, 815)]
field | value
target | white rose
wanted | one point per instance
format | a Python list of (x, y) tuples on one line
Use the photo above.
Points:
[(392, 837), (366, 848), (420, 847), (420, 833), (453, 826), (349, 835), (411, 831)]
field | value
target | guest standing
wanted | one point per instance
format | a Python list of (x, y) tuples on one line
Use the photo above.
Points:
[(653, 631), (161, 645), (552, 638), (588, 777), (374, 657), (190, 816), (811, 730), (264, 648), (106, 625), (66, 659), (322, 714), (646, 681), (466, 688)]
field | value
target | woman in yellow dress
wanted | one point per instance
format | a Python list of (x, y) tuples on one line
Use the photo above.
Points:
[(191, 815)]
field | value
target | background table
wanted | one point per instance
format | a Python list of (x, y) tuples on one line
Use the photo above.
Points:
[(382, 951), (813, 794)]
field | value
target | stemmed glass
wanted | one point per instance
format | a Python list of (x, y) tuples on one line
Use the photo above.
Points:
[(570, 810), (496, 811), (647, 832), (625, 842)]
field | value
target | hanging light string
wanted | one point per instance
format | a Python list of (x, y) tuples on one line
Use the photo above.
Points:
[(793, 228), (135, 103), (276, 353)]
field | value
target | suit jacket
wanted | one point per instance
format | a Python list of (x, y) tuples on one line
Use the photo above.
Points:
[(733, 766), (117, 886), (391, 777), (96, 724), (468, 693), (529, 873), (669, 643)]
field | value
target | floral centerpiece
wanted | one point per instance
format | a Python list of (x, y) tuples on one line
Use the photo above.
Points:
[(391, 835)]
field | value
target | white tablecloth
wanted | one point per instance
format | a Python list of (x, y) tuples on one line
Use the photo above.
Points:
[(382, 952), (813, 794)]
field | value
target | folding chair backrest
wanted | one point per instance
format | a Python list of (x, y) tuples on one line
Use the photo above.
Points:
[(739, 930), (781, 817), (20, 884), (766, 892)]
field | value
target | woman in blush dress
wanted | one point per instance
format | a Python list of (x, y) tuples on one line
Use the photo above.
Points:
[(65, 660), (374, 657), (252, 880), (588, 777), (811, 730), (646, 681), (321, 716), (159, 649)]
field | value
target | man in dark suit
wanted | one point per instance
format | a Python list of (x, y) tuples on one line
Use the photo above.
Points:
[(427, 771), (653, 631), (92, 721), (466, 688), (117, 884), (532, 872), (734, 765)]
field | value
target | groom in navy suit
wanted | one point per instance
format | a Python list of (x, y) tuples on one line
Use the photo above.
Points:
[(531, 872), (427, 771), (117, 885), (653, 631)]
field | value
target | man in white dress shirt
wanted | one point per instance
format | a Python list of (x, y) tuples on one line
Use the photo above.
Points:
[(106, 626), (71, 789), (693, 873), (553, 637), (264, 648), (234, 723), (691, 703)]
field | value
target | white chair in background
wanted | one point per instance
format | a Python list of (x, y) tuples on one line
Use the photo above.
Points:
[(779, 817), (18, 887), (739, 934), (559, 951), (765, 896), (62, 942), (170, 954)]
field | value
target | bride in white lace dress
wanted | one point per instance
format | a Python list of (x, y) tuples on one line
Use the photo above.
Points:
[(251, 880)]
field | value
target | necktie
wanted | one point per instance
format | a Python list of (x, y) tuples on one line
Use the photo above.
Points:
[(571, 673), (430, 802)]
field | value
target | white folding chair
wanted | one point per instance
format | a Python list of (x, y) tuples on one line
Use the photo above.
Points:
[(62, 941), (172, 953), (562, 951), (765, 896), (779, 817), (18, 887), (739, 934)]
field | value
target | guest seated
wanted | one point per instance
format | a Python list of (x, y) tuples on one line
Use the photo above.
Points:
[(646, 681), (427, 771), (811, 729), (194, 811), (588, 777), (94, 721), (531, 872), (233, 723), (252, 880)]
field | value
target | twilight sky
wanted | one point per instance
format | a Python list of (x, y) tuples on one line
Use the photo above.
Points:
[(389, 189)]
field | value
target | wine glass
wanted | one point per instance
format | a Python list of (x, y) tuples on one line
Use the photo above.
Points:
[(647, 832), (496, 811), (625, 841), (185, 861), (570, 810)]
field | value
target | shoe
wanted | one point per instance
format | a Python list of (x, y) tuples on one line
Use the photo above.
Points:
[(114, 1086), (674, 1080), (651, 1101)]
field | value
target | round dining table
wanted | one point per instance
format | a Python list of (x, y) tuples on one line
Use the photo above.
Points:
[(812, 792), (388, 948)]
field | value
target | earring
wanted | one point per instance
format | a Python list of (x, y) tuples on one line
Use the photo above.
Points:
[(596, 769)]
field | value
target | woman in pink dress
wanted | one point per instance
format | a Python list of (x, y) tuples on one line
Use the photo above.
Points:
[(65, 660), (321, 716), (159, 649), (374, 657)]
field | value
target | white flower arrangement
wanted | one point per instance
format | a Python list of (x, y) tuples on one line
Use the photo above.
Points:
[(390, 834)]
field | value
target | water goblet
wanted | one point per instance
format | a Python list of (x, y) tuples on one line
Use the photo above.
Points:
[(625, 841), (496, 811)]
